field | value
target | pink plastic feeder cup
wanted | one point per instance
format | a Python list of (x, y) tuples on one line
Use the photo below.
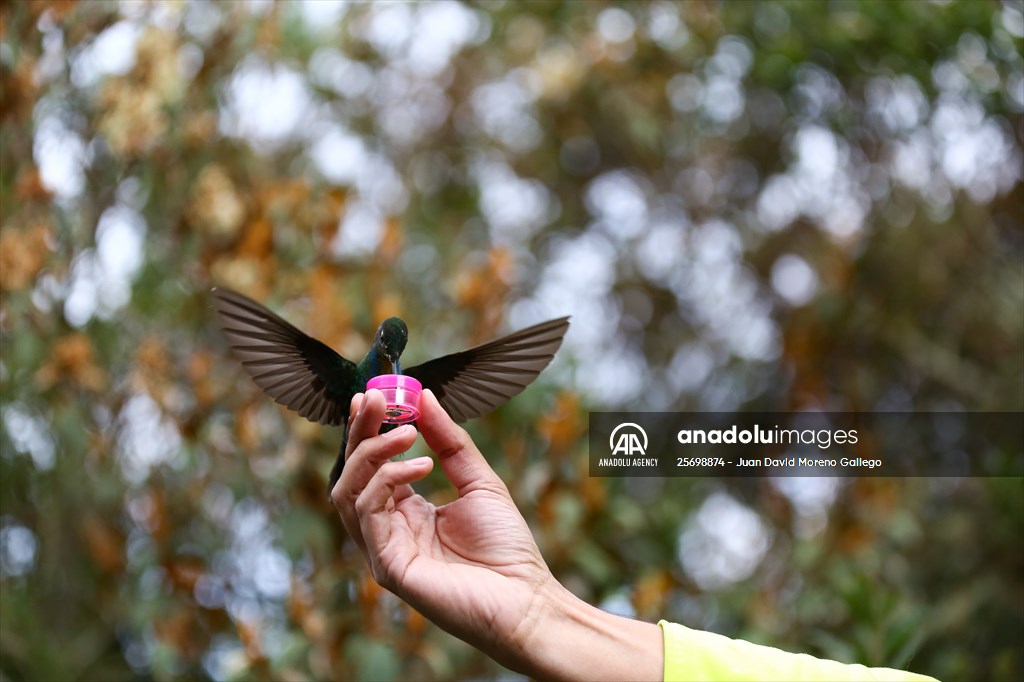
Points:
[(402, 395)]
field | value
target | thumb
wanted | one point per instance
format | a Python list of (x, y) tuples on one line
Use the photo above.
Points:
[(461, 460)]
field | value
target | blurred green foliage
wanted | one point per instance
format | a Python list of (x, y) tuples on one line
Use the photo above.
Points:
[(771, 205)]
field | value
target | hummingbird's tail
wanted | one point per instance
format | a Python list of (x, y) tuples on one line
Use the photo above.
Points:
[(339, 464)]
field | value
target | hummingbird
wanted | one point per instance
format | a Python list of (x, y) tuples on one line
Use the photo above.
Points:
[(308, 377)]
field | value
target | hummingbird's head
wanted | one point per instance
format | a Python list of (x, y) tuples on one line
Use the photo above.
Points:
[(392, 336)]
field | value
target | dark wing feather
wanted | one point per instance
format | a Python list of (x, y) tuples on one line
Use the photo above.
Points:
[(294, 369), (478, 380)]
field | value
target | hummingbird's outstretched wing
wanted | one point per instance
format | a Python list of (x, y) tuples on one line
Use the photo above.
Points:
[(294, 369), (478, 380)]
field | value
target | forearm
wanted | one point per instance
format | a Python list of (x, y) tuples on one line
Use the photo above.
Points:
[(572, 640)]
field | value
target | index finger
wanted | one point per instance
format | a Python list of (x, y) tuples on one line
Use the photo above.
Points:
[(367, 450), (367, 413)]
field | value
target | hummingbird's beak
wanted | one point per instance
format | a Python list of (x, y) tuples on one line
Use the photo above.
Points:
[(398, 366)]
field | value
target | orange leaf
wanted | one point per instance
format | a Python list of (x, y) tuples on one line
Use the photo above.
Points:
[(72, 357), (652, 592), (386, 306), (184, 572), (562, 426), (30, 187), (257, 240), (104, 544), (22, 254), (390, 246), (199, 367)]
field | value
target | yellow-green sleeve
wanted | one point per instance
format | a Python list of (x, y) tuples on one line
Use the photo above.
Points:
[(694, 655)]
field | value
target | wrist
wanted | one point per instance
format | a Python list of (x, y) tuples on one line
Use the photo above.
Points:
[(570, 639)]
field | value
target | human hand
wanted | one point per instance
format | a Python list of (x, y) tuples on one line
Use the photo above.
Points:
[(472, 565)]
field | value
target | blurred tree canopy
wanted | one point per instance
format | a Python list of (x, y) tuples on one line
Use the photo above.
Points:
[(772, 205)]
